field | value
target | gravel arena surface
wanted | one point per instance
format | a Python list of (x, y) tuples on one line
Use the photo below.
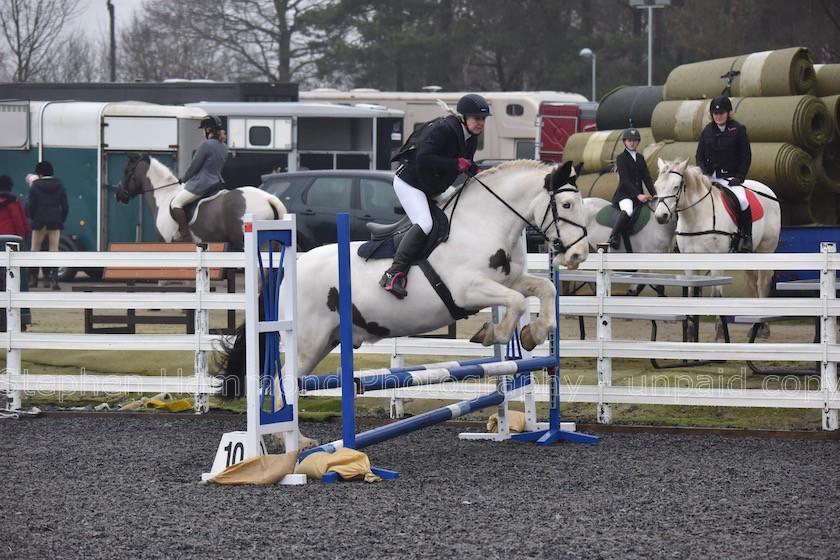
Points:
[(129, 487)]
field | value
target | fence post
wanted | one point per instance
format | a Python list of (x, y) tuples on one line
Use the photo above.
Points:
[(12, 324), (828, 324), (603, 289), (202, 328)]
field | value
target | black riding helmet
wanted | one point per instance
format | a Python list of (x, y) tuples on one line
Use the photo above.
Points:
[(473, 105), (631, 134), (212, 121), (720, 104)]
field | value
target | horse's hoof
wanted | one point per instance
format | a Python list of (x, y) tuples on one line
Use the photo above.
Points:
[(480, 335), (526, 339)]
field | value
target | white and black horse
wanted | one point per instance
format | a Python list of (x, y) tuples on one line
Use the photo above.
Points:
[(216, 218), (483, 263)]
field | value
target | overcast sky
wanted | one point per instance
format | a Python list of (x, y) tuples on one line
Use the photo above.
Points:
[(93, 15)]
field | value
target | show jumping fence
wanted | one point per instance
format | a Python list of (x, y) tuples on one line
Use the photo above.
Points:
[(604, 349)]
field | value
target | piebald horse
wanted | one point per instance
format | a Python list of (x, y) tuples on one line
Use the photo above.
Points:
[(705, 225), (483, 263), (217, 218)]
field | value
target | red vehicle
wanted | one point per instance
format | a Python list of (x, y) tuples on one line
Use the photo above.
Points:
[(556, 122)]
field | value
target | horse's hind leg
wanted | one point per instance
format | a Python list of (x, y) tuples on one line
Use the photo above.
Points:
[(759, 283)]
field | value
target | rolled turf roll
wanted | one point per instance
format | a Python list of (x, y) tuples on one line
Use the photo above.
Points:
[(598, 185), (768, 73), (828, 79), (803, 120), (598, 150), (627, 106), (832, 105), (827, 165), (824, 205), (787, 169)]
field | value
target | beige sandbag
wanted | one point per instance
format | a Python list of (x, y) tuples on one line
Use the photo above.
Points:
[(349, 464), (516, 422), (261, 469)]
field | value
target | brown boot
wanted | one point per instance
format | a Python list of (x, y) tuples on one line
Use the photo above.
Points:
[(183, 235)]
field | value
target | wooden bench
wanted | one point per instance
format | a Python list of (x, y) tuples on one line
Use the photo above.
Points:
[(756, 321), (132, 275)]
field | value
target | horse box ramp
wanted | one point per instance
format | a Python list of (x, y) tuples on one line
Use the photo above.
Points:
[(135, 273)]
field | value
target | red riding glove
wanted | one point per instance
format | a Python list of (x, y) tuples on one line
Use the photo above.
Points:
[(464, 165)]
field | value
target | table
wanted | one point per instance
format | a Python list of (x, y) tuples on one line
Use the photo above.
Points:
[(691, 285)]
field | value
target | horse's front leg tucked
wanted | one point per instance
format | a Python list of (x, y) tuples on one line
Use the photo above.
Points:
[(485, 293)]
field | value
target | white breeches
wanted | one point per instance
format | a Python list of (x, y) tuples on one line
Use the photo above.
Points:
[(415, 203), (738, 190)]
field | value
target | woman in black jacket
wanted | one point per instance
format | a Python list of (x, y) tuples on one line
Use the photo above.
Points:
[(632, 172), (426, 173), (47, 208), (724, 154)]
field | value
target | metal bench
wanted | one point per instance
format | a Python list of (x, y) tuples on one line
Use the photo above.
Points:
[(756, 321)]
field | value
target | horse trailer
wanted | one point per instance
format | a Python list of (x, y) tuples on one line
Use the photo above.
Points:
[(88, 144), (509, 134)]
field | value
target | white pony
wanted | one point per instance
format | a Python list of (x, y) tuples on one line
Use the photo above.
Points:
[(483, 263), (217, 218), (705, 226)]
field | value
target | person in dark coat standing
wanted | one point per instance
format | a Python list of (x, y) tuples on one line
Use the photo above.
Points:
[(47, 208), (632, 172), (203, 174), (448, 151), (724, 154)]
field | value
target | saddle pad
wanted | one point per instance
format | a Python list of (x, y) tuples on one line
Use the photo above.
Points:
[(387, 248), (606, 217), (755, 205)]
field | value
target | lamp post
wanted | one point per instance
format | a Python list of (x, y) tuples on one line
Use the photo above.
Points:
[(587, 53), (649, 5)]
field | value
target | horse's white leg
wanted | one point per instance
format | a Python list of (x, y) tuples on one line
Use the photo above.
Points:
[(758, 285), (538, 330), (484, 292), (717, 291)]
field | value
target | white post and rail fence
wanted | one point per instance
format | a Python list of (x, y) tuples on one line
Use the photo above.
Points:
[(821, 304)]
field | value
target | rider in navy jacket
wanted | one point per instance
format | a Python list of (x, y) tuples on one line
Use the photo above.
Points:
[(632, 172), (447, 151)]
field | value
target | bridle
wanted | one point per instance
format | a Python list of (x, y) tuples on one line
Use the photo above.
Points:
[(676, 210), (124, 195), (557, 244)]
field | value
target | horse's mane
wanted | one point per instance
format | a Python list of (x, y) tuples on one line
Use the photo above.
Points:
[(160, 171), (505, 166), (693, 170)]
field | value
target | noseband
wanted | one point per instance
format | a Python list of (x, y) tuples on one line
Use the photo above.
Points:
[(123, 194)]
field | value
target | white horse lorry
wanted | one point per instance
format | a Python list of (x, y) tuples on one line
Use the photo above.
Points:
[(525, 124), (88, 143)]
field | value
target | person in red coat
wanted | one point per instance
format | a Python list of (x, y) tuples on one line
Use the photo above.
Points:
[(13, 220)]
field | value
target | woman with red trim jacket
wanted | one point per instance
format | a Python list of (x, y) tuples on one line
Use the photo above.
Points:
[(724, 154)]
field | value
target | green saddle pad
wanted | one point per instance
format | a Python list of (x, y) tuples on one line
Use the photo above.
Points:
[(606, 217)]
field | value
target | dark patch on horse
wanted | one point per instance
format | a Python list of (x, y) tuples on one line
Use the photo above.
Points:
[(358, 320), (500, 259)]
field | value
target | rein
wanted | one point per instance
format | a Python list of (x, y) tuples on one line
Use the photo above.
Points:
[(557, 244), (129, 195)]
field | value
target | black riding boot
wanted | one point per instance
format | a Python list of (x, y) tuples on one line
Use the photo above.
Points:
[(183, 235), (54, 279), (621, 224), (395, 280), (745, 244)]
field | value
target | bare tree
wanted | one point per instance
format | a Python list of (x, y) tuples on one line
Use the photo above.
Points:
[(32, 29)]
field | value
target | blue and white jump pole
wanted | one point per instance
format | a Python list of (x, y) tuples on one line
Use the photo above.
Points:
[(358, 441)]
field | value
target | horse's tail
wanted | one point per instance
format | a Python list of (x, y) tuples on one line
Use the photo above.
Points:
[(277, 207), (229, 365)]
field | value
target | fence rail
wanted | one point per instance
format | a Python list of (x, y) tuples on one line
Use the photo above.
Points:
[(825, 308)]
